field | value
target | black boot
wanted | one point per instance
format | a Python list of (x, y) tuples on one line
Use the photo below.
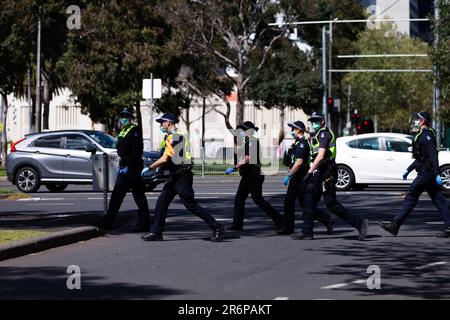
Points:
[(301, 236), (235, 227), (391, 227), (218, 233), (445, 233), (330, 225), (152, 237)]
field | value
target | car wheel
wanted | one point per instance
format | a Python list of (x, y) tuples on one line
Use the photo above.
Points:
[(345, 178), (56, 187), (445, 175), (28, 180)]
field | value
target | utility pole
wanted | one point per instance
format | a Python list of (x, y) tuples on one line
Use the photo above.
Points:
[(437, 89), (151, 114), (324, 72), (38, 76)]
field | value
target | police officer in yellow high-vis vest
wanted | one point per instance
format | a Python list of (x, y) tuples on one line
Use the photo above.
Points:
[(177, 158), (130, 150), (324, 168)]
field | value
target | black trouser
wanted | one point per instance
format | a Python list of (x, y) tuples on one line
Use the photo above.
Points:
[(329, 179), (306, 193), (252, 184), (181, 184), (123, 184), (425, 181)]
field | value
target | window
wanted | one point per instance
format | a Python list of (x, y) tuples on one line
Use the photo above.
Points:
[(76, 142), (105, 140), (396, 145), (366, 144), (49, 142)]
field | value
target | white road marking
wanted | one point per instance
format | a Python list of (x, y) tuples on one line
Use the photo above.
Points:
[(335, 286), (53, 204), (440, 263), (281, 298), (435, 222), (360, 281)]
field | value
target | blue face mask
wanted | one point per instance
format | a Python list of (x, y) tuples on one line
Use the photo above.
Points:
[(416, 124), (315, 126), (242, 134), (293, 135), (162, 130), (124, 121)]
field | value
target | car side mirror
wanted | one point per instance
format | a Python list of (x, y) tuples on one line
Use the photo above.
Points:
[(91, 148), (410, 149)]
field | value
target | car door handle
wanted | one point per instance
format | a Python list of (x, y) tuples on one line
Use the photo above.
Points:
[(68, 155)]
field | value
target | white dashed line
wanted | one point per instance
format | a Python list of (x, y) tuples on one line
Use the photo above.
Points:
[(281, 298), (440, 263), (335, 286)]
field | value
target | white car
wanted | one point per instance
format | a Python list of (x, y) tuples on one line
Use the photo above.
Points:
[(379, 158)]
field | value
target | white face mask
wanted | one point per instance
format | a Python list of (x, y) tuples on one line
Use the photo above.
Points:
[(417, 124)]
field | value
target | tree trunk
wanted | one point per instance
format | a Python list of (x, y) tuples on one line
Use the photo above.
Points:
[(188, 122), (281, 132), (46, 102), (240, 100), (4, 137)]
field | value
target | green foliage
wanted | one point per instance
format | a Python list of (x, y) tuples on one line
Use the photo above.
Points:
[(288, 79), (392, 96), (119, 44), (441, 58)]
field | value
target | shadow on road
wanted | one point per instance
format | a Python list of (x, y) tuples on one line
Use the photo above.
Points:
[(50, 283)]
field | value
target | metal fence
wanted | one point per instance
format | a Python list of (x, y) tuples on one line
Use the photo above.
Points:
[(224, 158)]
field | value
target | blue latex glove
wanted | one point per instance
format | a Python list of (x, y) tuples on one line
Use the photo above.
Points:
[(439, 180), (117, 171), (405, 175), (123, 170), (144, 171), (230, 170), (286, 179)]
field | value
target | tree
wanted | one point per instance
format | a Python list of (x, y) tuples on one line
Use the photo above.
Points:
[(119, 44), (230, 31), (287, 80), (15, 46), (441, 57), (391, 96)]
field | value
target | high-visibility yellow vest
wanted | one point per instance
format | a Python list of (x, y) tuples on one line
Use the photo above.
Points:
[(331, 147), (125, 130)]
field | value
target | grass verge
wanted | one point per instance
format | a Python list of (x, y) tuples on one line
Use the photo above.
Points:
[(16, 235)]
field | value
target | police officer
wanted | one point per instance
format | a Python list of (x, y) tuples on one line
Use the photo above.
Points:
[(324, 168), (178, 160), (130, 150), (428, 177), (297, 159), (252, 180)]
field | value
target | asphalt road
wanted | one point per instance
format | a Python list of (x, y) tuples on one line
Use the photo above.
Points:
[(255, 264)]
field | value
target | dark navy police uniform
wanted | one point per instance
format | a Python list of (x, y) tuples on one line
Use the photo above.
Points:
[(427, 167), (307, 197), (252, 183), (130, 150)]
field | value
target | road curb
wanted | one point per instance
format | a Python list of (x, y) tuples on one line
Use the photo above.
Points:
[(56, 239)]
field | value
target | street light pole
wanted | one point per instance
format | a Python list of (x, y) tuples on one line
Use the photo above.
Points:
[(324, 71), (38, 77), (437, 89)]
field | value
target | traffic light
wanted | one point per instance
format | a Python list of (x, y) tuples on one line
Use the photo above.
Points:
[(330, 104)]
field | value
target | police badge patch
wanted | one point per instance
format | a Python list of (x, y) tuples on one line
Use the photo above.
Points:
[(428, 138)]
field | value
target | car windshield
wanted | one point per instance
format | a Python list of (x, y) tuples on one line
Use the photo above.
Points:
[(104, 139)]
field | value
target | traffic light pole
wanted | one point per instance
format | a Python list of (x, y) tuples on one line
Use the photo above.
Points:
[(324, 72)]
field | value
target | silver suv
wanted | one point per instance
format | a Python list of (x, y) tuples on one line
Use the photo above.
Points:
[(59, 158)]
